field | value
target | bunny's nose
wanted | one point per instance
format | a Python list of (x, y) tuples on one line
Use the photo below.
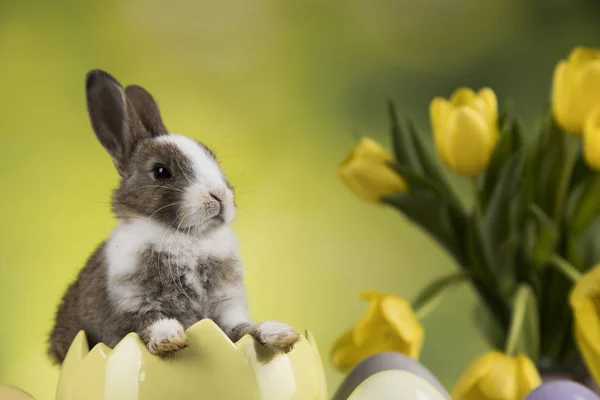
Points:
[(217, 196)]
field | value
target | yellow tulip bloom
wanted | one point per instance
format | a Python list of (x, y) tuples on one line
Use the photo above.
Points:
[(497, 376), (576, 88), (389, 324), (465, 129), (366, 173), (586, 310), (591, 139)]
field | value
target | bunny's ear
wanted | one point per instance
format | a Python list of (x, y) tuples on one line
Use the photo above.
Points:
[(113, 123), (146, 109)]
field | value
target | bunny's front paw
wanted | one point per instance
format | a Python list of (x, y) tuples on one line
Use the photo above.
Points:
[(276, 336), (166, 336)]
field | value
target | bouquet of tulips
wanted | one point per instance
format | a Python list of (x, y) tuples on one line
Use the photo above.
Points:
[(527, 243)]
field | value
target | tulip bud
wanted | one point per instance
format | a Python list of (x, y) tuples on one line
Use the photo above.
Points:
[(389, 325), (465, 129), (576, 88), (497, 376), (367, 173)]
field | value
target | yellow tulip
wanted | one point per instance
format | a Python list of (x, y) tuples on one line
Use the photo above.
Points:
[(576, 88), (591, 139), (497, 376), (389, 324), (585, 303), (465, 129), (366, 173)]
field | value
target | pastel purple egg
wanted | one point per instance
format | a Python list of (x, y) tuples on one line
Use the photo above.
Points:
[(383, 362), (562, 390)]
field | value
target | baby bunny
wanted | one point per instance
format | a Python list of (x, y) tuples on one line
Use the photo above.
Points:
[(173, 259)]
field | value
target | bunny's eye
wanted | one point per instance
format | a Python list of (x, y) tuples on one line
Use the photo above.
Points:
[(161, 172)]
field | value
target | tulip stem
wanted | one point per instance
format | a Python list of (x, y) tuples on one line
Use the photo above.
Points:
[(518, 317), (565, 176), (565, 268), (476, 201)]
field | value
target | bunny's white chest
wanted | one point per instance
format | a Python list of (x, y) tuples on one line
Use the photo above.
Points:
[(129, 240)]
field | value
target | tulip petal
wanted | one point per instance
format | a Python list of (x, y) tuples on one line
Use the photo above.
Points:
[(591, 139), (389, 324), (588, 85), (372, 321), (473, 374), (488, 97), (587, 334), (583, 301), (586, 318), (366, 173), (497, 376), (501, 380), (528, 377), (402, 319), (469, 141), (439, 110), (463, 97), (562, 98), (369, 148), (590, 353), (575, 88), (372, 295), (581, 55), (587, 287), (344, 353)]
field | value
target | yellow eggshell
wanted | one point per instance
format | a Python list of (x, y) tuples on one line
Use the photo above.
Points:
[(212, 367), (12, 393)]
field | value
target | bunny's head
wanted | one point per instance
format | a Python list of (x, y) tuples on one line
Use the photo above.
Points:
[(167, 178)]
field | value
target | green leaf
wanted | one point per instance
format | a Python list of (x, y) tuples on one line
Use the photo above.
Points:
[(429, 160), (546, 238), (581, 171), (479, 252), (588, 207), (428, 211), (404, 148), (555, 162), (564, 177), (574, 198), (496, 220), (590, 244), (417, 181), (574, 251), (524, 333), (508, 252), (426, 152), (510, 141), (529, 180), (555, 309), (506, 116), (430, 297), (485, 278), (490, 326)]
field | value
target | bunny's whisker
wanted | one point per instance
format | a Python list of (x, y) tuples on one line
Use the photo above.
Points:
[(177, 258), (162, 208), (152, 186), (161, 251)]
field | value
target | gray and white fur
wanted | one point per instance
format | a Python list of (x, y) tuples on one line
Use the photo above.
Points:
[(173, 259)]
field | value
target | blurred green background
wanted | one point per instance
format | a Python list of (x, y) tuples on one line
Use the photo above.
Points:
[(281, 90)]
